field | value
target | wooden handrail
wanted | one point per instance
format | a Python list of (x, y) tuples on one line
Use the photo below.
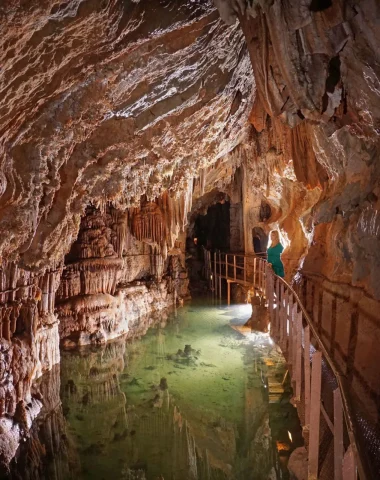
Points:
[(261, 269), (364, 471)]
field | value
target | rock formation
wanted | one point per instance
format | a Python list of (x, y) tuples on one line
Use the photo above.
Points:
[(121, 121), (108, 112), (316, 123)]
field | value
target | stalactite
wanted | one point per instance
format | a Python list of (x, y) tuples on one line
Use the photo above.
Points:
[(147, 223), (202, 180)]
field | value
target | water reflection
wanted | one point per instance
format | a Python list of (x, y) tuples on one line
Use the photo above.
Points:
[(47, 453), (194, 400)]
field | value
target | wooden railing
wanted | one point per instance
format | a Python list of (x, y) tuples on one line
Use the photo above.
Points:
[(320, 391), (234, 268)]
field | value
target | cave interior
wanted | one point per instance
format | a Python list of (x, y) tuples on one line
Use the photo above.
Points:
[(135, 134)]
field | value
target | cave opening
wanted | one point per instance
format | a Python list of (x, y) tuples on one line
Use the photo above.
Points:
[(265, 211), (209, 228), (213, 229), (260, 241)]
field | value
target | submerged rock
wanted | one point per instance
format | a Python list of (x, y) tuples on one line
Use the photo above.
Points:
[(188, 350), (163, 384)]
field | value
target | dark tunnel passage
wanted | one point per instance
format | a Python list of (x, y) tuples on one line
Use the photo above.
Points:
[(213, 229)]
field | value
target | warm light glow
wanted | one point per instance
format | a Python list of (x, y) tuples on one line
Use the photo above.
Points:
[(290, 436), (195, 241), (282, 447)]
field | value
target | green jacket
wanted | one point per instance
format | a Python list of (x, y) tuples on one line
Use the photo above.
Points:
[(274, 257)]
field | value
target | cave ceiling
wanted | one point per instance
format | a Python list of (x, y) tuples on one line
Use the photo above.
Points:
[(105, 101)]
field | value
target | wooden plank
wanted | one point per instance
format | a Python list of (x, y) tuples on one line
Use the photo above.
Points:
[(228, 292), (277, 316), (245, 269), (235, 267), (315, 413), (281, 315), (298, 370), (254, 272), (306, 359), (338, 436), (349, 470)]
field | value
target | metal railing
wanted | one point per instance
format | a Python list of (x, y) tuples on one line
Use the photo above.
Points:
[(321, 392)]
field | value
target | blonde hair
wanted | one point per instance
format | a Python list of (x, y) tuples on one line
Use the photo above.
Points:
[(277, 235)]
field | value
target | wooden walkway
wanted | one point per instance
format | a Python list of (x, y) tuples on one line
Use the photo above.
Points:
[(245, 270), (324, 410)]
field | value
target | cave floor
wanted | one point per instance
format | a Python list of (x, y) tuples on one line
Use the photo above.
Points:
[(189, 400)]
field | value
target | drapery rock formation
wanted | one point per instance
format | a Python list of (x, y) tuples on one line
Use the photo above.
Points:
[(117, 272), (120, 121)]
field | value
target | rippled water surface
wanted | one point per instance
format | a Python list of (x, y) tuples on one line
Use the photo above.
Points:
[(193, 399)]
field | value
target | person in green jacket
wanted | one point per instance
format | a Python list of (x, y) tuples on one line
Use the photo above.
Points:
[(274, 253)]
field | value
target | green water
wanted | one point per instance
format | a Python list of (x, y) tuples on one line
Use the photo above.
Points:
[(141, 410)]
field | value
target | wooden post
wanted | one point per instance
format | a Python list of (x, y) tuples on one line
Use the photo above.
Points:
[(281, 314), (228, 292), (349, 465), (220, 264), (291, 333), (289, 319), (245, 269), (215, 283), (285, 323), (306, 358), (338, 436), (269, 294), (315, 413), (254, 272), (294, 338), (259, 273), (235, 267), (298, 371)]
